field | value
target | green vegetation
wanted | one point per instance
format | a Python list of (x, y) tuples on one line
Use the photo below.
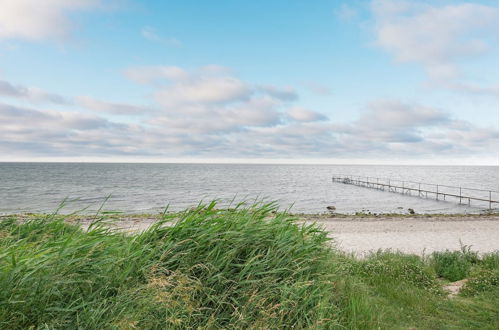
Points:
[(248, 267), (454, 265)]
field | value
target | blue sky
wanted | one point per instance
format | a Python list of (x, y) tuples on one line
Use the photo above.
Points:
[(381, 81)]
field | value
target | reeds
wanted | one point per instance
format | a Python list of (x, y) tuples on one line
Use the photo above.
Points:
[(248, 267)]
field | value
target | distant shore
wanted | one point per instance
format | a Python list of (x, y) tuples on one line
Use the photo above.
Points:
[(418, 234)]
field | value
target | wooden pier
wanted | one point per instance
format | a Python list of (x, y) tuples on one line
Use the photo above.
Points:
[(461, 195)]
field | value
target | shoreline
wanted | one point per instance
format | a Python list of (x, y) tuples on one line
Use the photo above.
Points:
[(418, 234)]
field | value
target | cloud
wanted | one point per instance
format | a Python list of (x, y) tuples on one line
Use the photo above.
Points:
[(12, 116), (37, 20), (475, 89), (209, 112), (393, 114), (203, 90), (394, 128), (282, 93), (254, 129), (211, 84), (219, 118), (212, 100), (151, 34), (346, 12), (162, 74), (31, 94), (39, 96), (317, 88), (303, 115), (33, 132), (110, 107), (435, 36)]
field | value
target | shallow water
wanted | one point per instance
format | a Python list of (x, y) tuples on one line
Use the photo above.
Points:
[(145, 188)]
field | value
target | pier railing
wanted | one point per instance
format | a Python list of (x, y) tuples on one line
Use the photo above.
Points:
[(461, 195)]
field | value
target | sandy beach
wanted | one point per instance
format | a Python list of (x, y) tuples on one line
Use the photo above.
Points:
[(410, 234), (418, 235)]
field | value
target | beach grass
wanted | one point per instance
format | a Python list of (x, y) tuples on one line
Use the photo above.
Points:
[(250, 267)]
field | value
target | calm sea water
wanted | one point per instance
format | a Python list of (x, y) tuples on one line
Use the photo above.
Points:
[(136, 188)]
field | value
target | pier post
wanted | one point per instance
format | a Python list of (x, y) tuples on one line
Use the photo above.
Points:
[(490, 200), (437, 192), (460, 195)]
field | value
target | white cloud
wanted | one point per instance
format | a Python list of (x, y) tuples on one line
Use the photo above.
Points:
[(303, 115), (255, 129), (318, 88), (203, 90), (33, 132), (31, 94), (346, 12), (207, 85), (39, 19), (391, 128), (162, 74), (393, 114), (110, 107), (219, 119), (283, 93), (208, 119), (13, 116), (151, 34), (37, 96), (472, 88), (433, 35), (148, 75), (211, 100)]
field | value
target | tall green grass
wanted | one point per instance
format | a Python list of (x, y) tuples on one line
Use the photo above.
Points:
[(249, 267), (454, 265)]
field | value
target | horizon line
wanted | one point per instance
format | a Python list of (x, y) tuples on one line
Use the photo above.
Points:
[(345, 162)]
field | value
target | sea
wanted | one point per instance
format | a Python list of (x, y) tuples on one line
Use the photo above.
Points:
[(150, 188)]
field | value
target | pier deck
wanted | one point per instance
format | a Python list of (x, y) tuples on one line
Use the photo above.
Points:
[(461, 195)]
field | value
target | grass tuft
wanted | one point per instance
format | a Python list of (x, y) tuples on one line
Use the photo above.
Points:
[(454, 265)]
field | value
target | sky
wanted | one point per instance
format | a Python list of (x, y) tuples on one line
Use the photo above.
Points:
[(284, 81)]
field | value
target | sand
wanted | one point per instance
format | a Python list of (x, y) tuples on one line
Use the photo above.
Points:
[(415, 234), (418, 235)]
